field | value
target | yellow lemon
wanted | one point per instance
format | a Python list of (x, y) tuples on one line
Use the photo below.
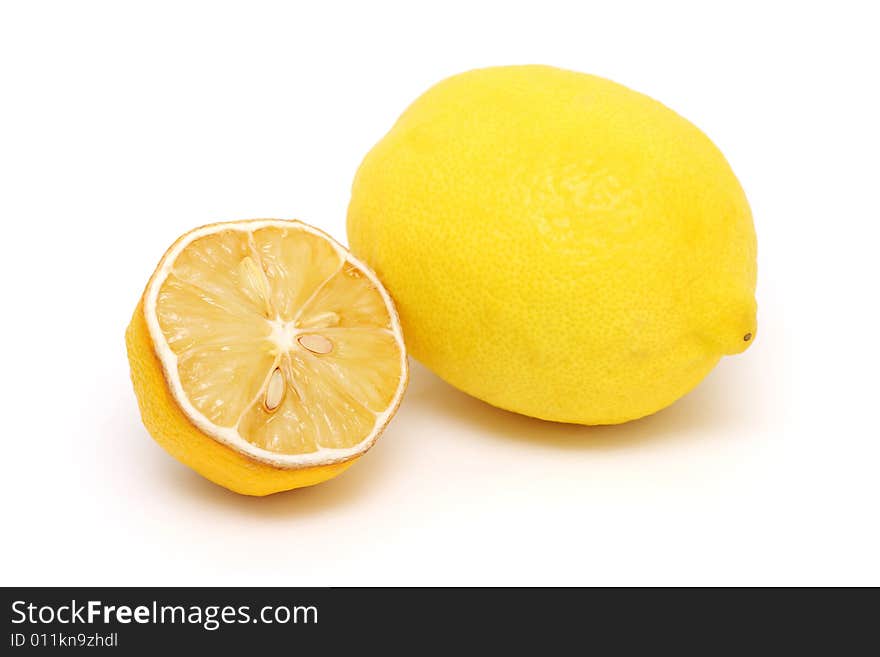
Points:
[(557, 244), (265, 356)]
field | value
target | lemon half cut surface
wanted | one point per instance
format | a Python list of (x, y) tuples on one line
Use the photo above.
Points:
[(264, 355)]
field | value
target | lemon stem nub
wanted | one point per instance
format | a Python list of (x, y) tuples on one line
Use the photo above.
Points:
[(275, 390)]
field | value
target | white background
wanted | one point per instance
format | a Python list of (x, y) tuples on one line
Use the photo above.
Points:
[(123, 125)]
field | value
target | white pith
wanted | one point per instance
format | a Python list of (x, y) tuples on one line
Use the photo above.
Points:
[(283, 334)]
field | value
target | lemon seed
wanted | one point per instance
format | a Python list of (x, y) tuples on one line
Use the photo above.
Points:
[(275, 390), (317, 344)]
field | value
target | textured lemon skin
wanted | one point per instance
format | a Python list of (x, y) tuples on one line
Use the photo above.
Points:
[(168, 425), (557, 244)]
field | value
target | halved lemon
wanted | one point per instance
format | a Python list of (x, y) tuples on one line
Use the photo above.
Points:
[(264, 355)]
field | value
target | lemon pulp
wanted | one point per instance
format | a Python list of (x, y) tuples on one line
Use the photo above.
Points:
[(276, 342)]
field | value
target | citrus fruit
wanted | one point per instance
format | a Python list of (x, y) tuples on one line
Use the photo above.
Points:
[(264, 356), (557, 244)]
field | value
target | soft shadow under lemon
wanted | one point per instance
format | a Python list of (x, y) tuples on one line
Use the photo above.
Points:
[(705, 409)]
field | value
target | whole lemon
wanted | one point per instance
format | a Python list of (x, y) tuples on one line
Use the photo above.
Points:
[(557, 244)]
